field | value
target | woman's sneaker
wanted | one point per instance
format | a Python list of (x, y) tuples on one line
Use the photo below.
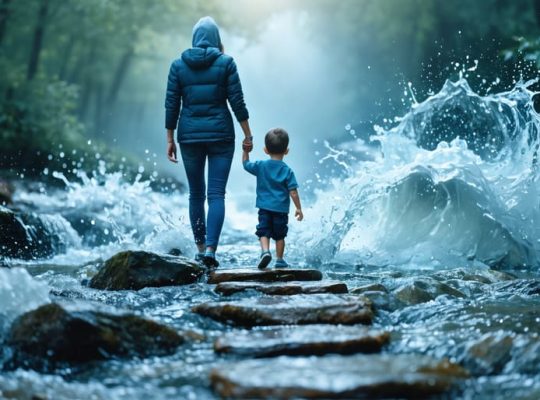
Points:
[(265, 259), (281, 263), (209, 260)]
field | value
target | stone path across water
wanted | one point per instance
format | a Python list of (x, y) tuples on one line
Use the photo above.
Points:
[(297, 309), (332, 377), (283, 288), (304, 340), (267, 275), (321, 320)]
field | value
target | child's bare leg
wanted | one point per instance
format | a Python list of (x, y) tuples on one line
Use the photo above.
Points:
[(280, 248), (265, 243)]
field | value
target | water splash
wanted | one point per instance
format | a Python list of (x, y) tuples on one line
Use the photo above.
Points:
[(19, 292), (454, 183), (107, 214)]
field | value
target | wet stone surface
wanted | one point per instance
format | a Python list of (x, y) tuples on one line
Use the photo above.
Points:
[(266, 275), (134, 270), (291, 310), (358, 376), (282, 288), (52, 336), (303, 340)]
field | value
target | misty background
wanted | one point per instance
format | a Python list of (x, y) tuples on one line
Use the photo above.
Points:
[(83, 82)]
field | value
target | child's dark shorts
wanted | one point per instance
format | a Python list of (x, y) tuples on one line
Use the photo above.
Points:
[(272, 224)]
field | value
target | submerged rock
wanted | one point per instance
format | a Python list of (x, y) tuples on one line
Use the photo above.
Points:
[(303, 340), (489, 354), (359, 376), (424, 290), (297, 309), (267, 275), (134, 270), (528, 287), (53, 336), (28, 236), (374, 287), (282, 288)]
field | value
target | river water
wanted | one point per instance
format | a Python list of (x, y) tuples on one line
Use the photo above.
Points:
[(441, 206)]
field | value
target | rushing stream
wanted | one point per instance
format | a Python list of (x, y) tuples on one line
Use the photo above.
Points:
[(443, 209)]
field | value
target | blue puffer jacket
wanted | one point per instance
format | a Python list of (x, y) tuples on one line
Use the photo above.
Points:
[(199, 84)]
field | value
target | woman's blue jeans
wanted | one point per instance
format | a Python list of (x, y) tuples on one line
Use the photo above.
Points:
[(194, 156)]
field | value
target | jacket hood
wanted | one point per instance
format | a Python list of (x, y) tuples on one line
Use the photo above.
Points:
[(199, 58), (206, 34)]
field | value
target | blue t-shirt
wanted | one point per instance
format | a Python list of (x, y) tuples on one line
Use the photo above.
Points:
[(274, 181)]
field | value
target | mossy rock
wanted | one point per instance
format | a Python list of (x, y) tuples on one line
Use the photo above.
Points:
[(52, 336), (134, 270)]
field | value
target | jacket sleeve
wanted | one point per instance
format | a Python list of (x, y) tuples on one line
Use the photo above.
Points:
[(235, 94), (172, 99)]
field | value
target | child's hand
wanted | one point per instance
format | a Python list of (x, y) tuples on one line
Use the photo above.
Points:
[(299, 214), (247, 144)]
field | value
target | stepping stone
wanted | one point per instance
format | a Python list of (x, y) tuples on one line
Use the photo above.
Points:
[(135, 270), (332, 377), (304, 340), (299, 309), (282, 288), (265, 275)]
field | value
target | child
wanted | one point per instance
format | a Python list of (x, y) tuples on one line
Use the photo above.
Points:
[(275, 183)]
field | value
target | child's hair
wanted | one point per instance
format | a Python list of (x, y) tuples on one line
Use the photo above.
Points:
[(276, 141)]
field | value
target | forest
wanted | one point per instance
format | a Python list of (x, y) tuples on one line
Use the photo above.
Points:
[(82, 79)]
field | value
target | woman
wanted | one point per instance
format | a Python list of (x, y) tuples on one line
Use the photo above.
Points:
[(199, 85)]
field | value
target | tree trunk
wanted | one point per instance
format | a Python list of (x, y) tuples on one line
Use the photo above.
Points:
[(119, 76), (88, 81), (4, 16), (66, 59), (37, 44), (536, 4)]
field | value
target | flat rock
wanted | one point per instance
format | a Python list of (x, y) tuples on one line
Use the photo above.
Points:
[(303, 340), (331, 377), (52, 336), (134, 270), (282, 288), (266, 275), (299, 309)]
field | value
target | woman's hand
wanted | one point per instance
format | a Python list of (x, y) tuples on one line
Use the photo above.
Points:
[(171, 152), (247, 144)]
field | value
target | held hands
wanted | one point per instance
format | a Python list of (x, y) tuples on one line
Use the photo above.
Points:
[(171, 152), (299, 214), (247, 144)]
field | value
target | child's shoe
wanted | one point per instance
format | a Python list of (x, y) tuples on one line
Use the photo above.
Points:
[(281, 263), (209, 259), (265, 259)]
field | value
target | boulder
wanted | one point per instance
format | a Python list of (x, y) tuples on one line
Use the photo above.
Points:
[(332, 377), (266, 275), (373, 287), (424, 290), (28, 236), (489, 354), (304, 340), (134, 270), (299, 309), (52, 336), (282, 288)]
